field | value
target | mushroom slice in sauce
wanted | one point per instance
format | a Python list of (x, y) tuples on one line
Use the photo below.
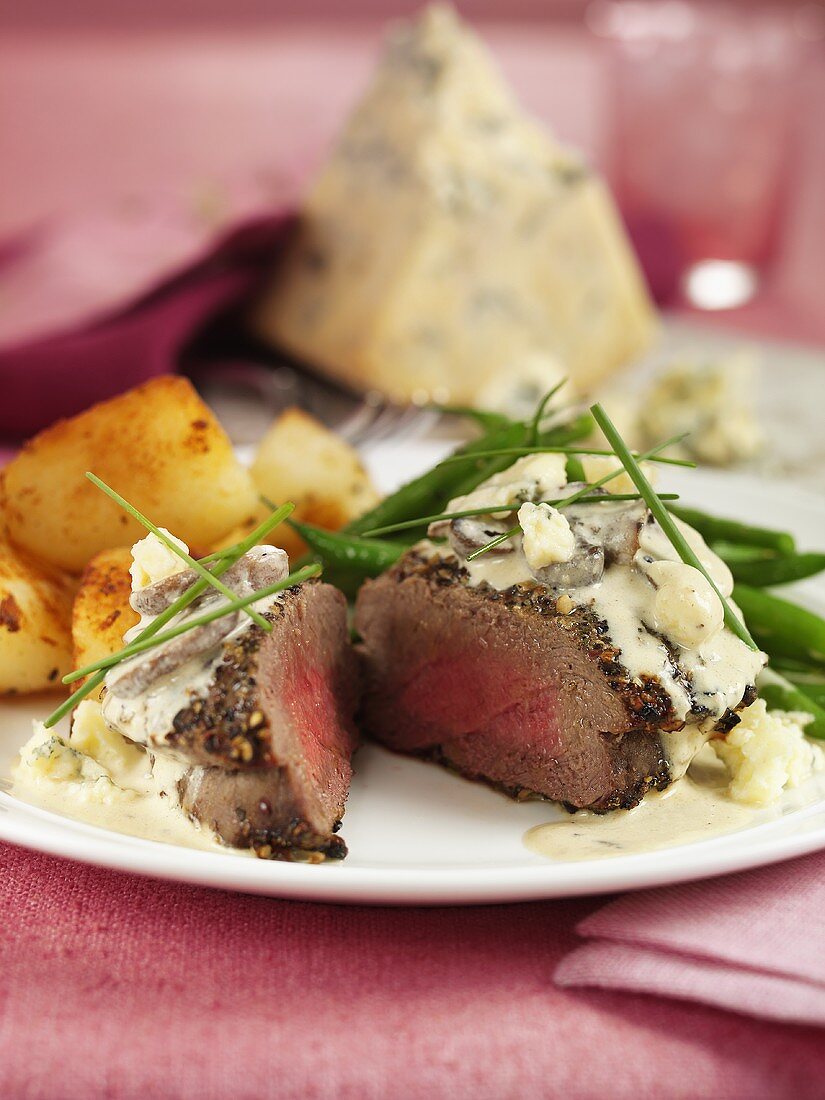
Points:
[(584, 568), (140, 672), (261, 566), (620, 537), (469, 534)]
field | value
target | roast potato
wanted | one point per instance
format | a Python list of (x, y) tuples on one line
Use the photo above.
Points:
[(101, 614), (35, 622), (158, 445), (300, 460)]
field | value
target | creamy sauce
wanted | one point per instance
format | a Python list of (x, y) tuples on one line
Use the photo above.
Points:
[(713, 675), (148, 817), (119, 787), (703, 678), (696, 808), (147, 718)]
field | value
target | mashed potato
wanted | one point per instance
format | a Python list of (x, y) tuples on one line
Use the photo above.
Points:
[(767, 752)]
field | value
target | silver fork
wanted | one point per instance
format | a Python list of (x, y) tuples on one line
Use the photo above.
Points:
[(375, 422), (247, 395)]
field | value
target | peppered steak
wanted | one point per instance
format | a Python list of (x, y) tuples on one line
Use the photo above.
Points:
[(274, 737), (268, 731), (501, 686)]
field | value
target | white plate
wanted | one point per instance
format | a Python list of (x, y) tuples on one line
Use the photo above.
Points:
[(419, 835)]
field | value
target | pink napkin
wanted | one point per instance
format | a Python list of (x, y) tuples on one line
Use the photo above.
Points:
[(114, 986), (752, 943), (112, 339)]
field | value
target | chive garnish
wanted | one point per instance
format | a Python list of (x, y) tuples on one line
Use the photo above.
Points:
[(513, 506), (193, 563), (521, 451), (238, 603), (580, 497), (535, 423), (228, 557), (665, 520)]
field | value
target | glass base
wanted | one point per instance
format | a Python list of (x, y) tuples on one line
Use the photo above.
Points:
[(719, 284)]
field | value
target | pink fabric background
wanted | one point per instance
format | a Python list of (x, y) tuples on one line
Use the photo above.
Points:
[(751, 943), (218, 120), (116, 986), (119, 986)]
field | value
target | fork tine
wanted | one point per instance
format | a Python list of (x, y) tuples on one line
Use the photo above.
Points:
[(373, 428), (357, 426), (386, 423), (394, 421)]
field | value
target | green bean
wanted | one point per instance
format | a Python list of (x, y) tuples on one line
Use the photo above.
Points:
[(736, 552), (810, 685), (560, 436), (780, 694), (348, 560), (794, 670), (762, 572), (430, 492), (782, 629), (716, 529), (485, 419)]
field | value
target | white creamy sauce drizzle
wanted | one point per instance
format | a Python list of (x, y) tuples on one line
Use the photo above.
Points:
[(147, 718), (116, 768), (135, 793), (715, 672), (696, 808)]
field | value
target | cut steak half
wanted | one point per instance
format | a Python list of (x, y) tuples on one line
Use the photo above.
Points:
[(271, 735), (503, 688), (275, 734)]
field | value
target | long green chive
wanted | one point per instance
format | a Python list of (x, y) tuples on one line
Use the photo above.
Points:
[(516, 451), (493, 509), (238, 604), (665, 520), (228, 558), (535, 423), (170, 543), (581, 497), (233, 554)]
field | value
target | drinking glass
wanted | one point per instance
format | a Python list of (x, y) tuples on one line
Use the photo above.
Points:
[(704, 103)]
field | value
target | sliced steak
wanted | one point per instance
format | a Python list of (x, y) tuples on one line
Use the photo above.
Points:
[(276, 732), (280, 813), (271, 737), (503, 688)]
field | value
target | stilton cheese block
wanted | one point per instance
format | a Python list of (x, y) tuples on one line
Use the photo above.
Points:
[(450, 249)]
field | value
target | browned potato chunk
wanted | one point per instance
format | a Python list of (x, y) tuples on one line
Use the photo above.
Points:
[(101, 614), (159, 445), (300, 460), (35, 618)]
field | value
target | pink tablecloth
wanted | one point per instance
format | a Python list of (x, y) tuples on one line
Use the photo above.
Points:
[(114, 986)]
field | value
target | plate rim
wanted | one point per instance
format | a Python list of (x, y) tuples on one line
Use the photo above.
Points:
[(433, 886), (42, 830)]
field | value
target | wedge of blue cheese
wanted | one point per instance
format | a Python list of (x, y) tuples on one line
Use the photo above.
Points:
[(450, 245)]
